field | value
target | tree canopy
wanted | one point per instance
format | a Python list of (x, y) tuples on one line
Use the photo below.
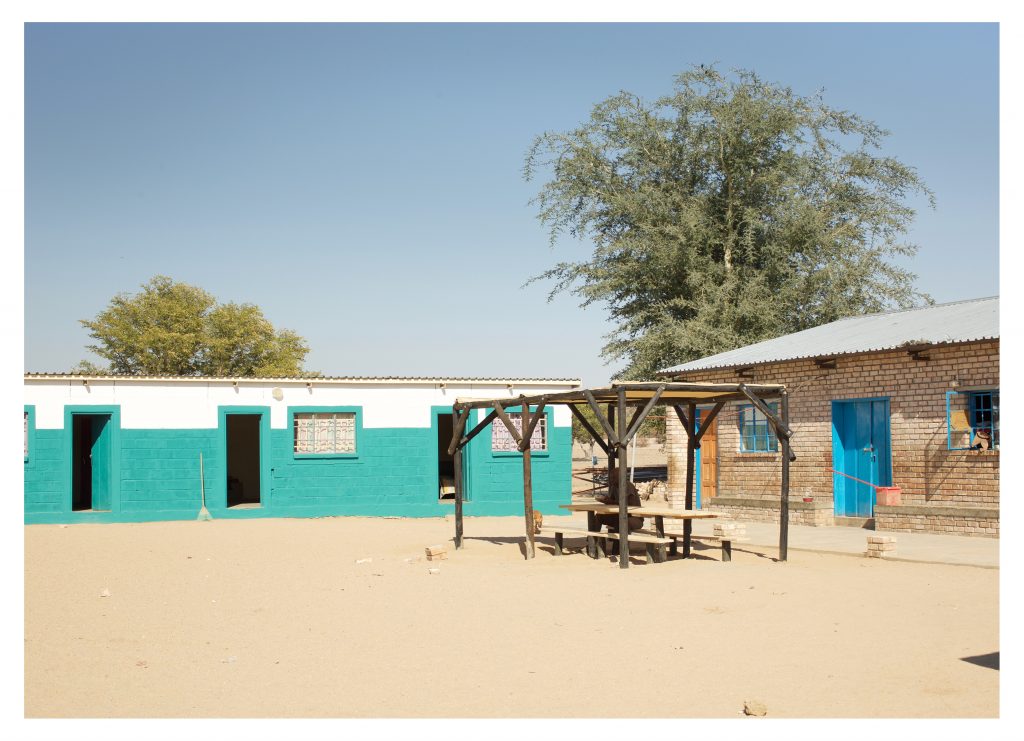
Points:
[(730, 211), (172, 328)]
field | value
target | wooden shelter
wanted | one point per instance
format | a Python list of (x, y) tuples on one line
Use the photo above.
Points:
[(620, 409)]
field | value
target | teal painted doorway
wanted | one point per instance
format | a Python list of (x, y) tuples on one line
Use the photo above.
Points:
[(442, 463), (91, 474), (861, 449)]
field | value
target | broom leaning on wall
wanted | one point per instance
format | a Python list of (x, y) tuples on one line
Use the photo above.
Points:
[(204, 514)]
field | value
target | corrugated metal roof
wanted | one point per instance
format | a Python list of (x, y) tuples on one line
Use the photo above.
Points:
[(302, 379), (958, 321)]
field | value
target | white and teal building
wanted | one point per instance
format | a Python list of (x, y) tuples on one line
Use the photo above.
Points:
[(140, 448)]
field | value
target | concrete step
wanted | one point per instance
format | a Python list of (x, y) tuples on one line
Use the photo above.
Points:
[(866, 523)]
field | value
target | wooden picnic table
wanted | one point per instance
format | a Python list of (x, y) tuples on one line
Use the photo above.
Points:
[(658, 513)]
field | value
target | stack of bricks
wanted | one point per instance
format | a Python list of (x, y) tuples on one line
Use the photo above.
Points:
[(437, 553), (881, 546), (729, 530)]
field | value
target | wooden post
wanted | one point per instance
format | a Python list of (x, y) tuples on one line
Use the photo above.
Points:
[(613, 452), (784, 504), (612, 447), (460, 429), (527, 486), (623, 483), (691, 446)]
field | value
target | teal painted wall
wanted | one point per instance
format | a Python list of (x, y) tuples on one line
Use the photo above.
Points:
[(394, 473)]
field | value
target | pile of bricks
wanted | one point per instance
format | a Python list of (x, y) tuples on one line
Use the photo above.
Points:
[(729, 530), (437, 553), (881, 546)]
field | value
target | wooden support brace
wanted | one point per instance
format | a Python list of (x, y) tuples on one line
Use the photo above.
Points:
[(508, 423), (781, 429), (641, 415), (683, 419), (476, 430), (589, 428), (613, 439), (460, 426), (528, 433), (706, 423)]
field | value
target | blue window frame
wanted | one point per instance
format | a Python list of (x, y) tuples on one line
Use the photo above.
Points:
[(972, 420), (756, 433)]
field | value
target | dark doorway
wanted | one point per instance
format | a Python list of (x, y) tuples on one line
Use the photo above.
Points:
[(445, 461), (91, 475), (243, 453)]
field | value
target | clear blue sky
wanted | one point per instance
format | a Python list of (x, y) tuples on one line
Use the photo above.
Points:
[(362, 183)]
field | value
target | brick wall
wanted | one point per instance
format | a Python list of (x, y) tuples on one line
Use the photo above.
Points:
[(928, 473)]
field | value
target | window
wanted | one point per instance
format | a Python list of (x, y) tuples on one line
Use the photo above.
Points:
[(756, 433), (324, 433), (972, 420), (26, 435), (503, 442)]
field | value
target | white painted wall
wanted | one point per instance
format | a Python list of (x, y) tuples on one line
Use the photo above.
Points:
[(193, 405)]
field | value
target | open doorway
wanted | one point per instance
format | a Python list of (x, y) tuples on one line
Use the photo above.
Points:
[(445, 460), (91, 472), (243, 460)]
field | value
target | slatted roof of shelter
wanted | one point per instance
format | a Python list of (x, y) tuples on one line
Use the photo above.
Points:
[(672, 392)]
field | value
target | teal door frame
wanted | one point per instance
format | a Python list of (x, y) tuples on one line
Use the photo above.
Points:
[(220, 490), (112, 435), (435, 412), (872, 462)]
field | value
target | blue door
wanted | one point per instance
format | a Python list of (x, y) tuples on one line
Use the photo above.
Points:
[(860, 448)]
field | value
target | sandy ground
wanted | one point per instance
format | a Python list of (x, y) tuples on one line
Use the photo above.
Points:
[(275, 618)]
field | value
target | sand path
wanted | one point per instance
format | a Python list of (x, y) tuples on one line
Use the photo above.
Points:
[(274, 618)]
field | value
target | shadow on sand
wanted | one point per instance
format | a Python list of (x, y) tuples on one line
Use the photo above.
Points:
[(989, 661)]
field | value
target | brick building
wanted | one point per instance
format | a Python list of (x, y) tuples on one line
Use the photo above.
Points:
[(906, 398)]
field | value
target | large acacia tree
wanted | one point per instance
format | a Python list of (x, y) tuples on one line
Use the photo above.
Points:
[(172, 328), (730, 211)]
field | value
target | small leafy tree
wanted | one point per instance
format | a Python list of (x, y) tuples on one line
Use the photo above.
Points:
[(172, 328), (727, 212)]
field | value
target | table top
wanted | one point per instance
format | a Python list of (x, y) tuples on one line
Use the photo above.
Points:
[(612, 509), (601, 509), (678, 514)]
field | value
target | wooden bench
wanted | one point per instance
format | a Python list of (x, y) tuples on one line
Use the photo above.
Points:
[(653, 545), (725, 541)]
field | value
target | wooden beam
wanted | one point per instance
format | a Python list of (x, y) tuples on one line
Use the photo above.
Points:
[(623, 483), (784, 504), (476, 430), (528, 433), (457, 429), (782, 430), (691, 447), (638, 418), (589, 427), (612, 438), (528, 489), (636, 415), (706, 423), (682, 418)]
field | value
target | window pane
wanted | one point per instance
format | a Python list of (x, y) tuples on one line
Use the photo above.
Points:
[(325, 433)]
